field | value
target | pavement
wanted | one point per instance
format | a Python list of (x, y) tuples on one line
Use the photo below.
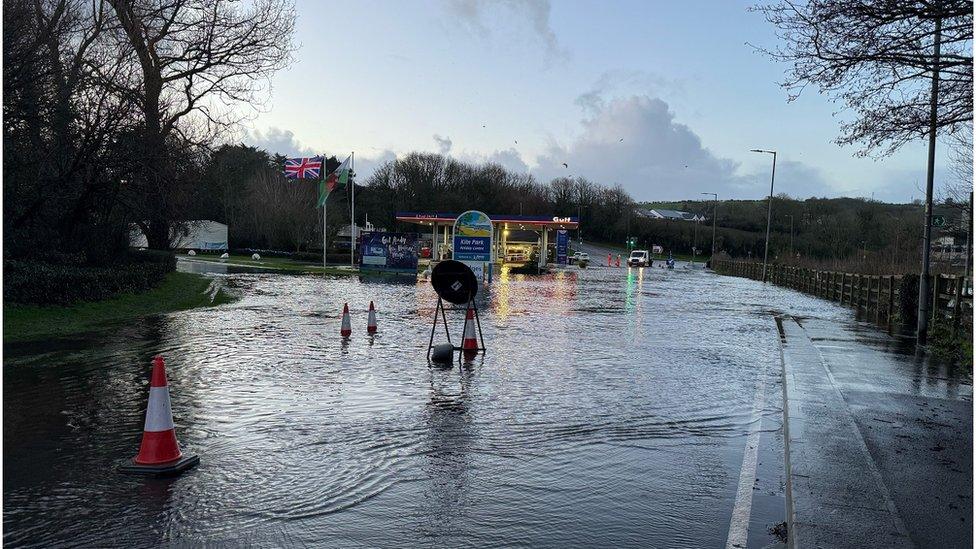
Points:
[(878, 441)]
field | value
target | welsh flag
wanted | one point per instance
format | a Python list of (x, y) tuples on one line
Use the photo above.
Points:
[(336, 179)]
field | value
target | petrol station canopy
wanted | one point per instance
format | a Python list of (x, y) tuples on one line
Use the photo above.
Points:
[(526, 222)]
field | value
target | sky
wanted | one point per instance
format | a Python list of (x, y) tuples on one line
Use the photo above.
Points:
[(663, 98)]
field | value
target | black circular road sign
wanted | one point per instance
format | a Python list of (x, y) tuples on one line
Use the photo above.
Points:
[(454, 282)]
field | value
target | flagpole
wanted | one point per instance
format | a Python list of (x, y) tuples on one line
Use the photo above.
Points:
[(352, 215), (325, 247)]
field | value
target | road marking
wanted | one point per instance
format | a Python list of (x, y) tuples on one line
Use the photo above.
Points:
[(739, 525)]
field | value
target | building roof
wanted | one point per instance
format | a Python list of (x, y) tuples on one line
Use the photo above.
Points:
[(671, 214)]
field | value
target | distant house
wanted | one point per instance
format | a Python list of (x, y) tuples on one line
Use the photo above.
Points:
[(198, 235), (675, 215)]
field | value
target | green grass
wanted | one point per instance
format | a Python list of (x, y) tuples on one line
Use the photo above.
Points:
[(276, 263), (179, 291)]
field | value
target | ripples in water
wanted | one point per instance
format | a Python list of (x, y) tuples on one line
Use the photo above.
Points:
[(610, 409)]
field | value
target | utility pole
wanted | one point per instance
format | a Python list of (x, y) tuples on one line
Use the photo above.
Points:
[(969, 236), (714, 215), (923, 281), (769, 209)]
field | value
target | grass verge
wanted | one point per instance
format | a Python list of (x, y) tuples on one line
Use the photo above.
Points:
[(178, 292)]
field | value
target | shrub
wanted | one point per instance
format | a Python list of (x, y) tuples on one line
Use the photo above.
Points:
[(47, 283), (955, 348)]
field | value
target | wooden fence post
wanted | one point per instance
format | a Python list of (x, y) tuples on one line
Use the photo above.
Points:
[(956, 303), (843, 288), (877, 303), (891, 300)]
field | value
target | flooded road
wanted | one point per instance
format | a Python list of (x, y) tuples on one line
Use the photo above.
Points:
[(612, 408)]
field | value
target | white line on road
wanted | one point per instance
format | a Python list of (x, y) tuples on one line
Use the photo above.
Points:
[(739, 525)]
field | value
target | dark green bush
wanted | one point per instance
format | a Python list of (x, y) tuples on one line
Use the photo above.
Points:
[(952, 346), (45, 283)]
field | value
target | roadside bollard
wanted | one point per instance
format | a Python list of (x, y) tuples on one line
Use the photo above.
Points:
[(371, 320), (159, 453), (469, 343), (346, 329)]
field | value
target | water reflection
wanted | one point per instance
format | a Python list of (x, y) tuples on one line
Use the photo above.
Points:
[(449, 439)]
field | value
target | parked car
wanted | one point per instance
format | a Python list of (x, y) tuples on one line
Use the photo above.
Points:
[(575, 257), (583, 260), (639, 258)]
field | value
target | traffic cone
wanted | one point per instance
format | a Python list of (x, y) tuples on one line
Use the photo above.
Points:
[(159, 453), (346, 329), (469, 343), (371, 320)]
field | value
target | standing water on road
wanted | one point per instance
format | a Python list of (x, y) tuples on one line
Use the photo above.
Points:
[(612, 407)]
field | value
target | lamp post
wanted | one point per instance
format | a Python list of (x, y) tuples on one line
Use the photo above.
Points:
[(714, 210), (769, 209), (923, 280)]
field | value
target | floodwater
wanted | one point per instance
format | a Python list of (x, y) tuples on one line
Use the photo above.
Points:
[(612, 408)]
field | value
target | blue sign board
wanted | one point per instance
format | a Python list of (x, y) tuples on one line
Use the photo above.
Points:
[(388, 252), (472, 248), (472, 237), (562, 246)]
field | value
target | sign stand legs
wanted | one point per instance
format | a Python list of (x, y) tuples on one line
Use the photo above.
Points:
[(439, 309)]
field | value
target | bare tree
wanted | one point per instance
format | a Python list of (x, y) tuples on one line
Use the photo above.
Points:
[(960, 182), (875, 57), (199, 62), (61, 123)]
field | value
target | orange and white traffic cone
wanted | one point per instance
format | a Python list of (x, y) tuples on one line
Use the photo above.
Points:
[(346, 329), (469, 342), (371, 320), (159, 453)]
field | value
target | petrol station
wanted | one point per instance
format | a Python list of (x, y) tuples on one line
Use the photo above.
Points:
[(515, 238)]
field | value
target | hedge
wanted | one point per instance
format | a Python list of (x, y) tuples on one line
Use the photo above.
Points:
[(37, 282)]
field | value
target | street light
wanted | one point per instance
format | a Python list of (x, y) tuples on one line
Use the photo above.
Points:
[(769, 210), (714, 210)]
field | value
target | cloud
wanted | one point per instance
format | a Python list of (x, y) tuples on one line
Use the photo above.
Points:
[(636, 142), (535, 14), (510, 159), (443, 144), (622, 82), (278, 141)]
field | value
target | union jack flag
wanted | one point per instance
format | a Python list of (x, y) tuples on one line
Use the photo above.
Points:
[(303, 168)]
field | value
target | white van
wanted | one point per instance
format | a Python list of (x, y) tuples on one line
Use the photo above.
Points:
[(639, 258)]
